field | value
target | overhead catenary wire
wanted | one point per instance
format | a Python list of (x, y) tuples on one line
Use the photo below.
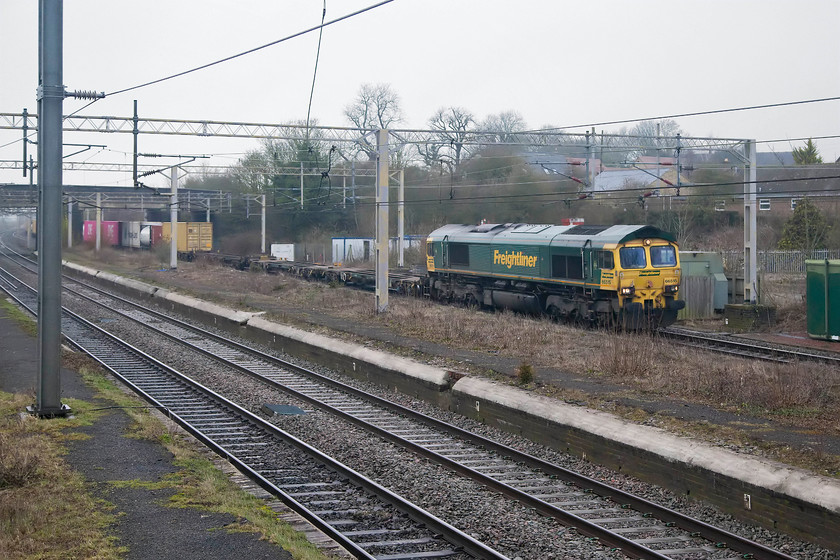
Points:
[(315, 72), (694, 114), (250, 51)]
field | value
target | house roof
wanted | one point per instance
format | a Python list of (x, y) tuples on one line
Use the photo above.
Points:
[(617, 179)]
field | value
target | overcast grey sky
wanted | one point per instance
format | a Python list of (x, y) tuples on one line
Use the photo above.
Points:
[(555, 62)]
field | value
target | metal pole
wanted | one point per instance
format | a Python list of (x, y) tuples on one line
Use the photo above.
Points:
[(173, 219), (135, 132), (208, 211), (750, 224), (301, 185), (69, 223), (382, 221), (262, 246), (25, 138), (679, 165), (98, 221), (588, 155), (401, 219), (591, 158), (50, 106)]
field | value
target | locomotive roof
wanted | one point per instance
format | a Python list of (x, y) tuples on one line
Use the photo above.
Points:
[(544, 234)]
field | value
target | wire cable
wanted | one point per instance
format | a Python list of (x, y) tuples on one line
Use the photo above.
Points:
[(315, 72), (249, 51), (694, 114)]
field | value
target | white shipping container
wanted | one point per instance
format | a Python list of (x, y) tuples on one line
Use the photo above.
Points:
[(130, 234), (350, 249), (283, 251)]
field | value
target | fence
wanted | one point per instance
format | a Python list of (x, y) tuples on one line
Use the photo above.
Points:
[(698, 294), (776, 261)]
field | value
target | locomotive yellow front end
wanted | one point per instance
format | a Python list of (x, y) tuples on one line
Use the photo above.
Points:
[(647, 282)]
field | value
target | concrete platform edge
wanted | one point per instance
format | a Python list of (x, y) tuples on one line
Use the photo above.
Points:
[(768, 493)]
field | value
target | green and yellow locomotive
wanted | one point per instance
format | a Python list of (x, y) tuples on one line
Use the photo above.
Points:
[(610, 275)]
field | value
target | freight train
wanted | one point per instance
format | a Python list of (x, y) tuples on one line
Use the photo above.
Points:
[(625, 276), (621, 275), (193, 237)]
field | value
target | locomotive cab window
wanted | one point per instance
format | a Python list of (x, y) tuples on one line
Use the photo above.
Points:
[(430, 249), (605, 260), (662, 256), (632, 257)]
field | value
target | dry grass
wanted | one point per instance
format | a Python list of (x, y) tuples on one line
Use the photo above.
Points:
[(799, 394), (647, 363), (45, 510)]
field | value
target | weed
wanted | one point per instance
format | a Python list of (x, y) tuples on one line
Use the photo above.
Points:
[(45, 510), (525, 373)]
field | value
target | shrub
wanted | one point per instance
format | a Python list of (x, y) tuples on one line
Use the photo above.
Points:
[(525, 373)]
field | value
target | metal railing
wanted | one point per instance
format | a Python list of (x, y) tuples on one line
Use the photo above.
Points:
[(777, 261)]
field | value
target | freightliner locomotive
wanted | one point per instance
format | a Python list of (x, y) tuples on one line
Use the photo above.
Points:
[(626, 276)]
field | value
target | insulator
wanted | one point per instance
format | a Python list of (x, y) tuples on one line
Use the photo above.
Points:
[(86, 94)]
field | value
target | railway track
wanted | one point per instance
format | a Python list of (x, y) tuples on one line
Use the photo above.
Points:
[(362, 516), (727, 344), (634, 525), (405, 282)]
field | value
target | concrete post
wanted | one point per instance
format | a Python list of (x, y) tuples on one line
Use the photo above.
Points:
[(382, 221)]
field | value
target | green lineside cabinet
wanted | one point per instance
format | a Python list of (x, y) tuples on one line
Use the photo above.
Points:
[(822, 294)]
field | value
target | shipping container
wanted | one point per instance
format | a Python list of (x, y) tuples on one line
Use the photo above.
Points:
[(130, 235), (822, 295), (363, 249), (151, 234), (283, 251), (109, 232), (193, 237)]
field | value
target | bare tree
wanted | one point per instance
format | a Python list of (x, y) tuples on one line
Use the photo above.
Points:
[(376, 107), (648, 134), (505, 125), (455, 125)]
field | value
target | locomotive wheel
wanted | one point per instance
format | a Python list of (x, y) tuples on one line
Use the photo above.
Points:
[(470, 301)]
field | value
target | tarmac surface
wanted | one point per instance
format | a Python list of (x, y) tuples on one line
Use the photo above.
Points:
[(149, 529)]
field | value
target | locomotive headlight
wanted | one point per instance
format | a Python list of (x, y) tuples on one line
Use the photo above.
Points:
[(672, 288), (628, 291)]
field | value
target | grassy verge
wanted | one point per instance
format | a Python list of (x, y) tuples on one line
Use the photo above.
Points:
[(22, 319), (47, 511), (199, 482)]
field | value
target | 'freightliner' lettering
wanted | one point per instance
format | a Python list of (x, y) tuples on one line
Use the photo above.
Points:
[(514, 259)]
